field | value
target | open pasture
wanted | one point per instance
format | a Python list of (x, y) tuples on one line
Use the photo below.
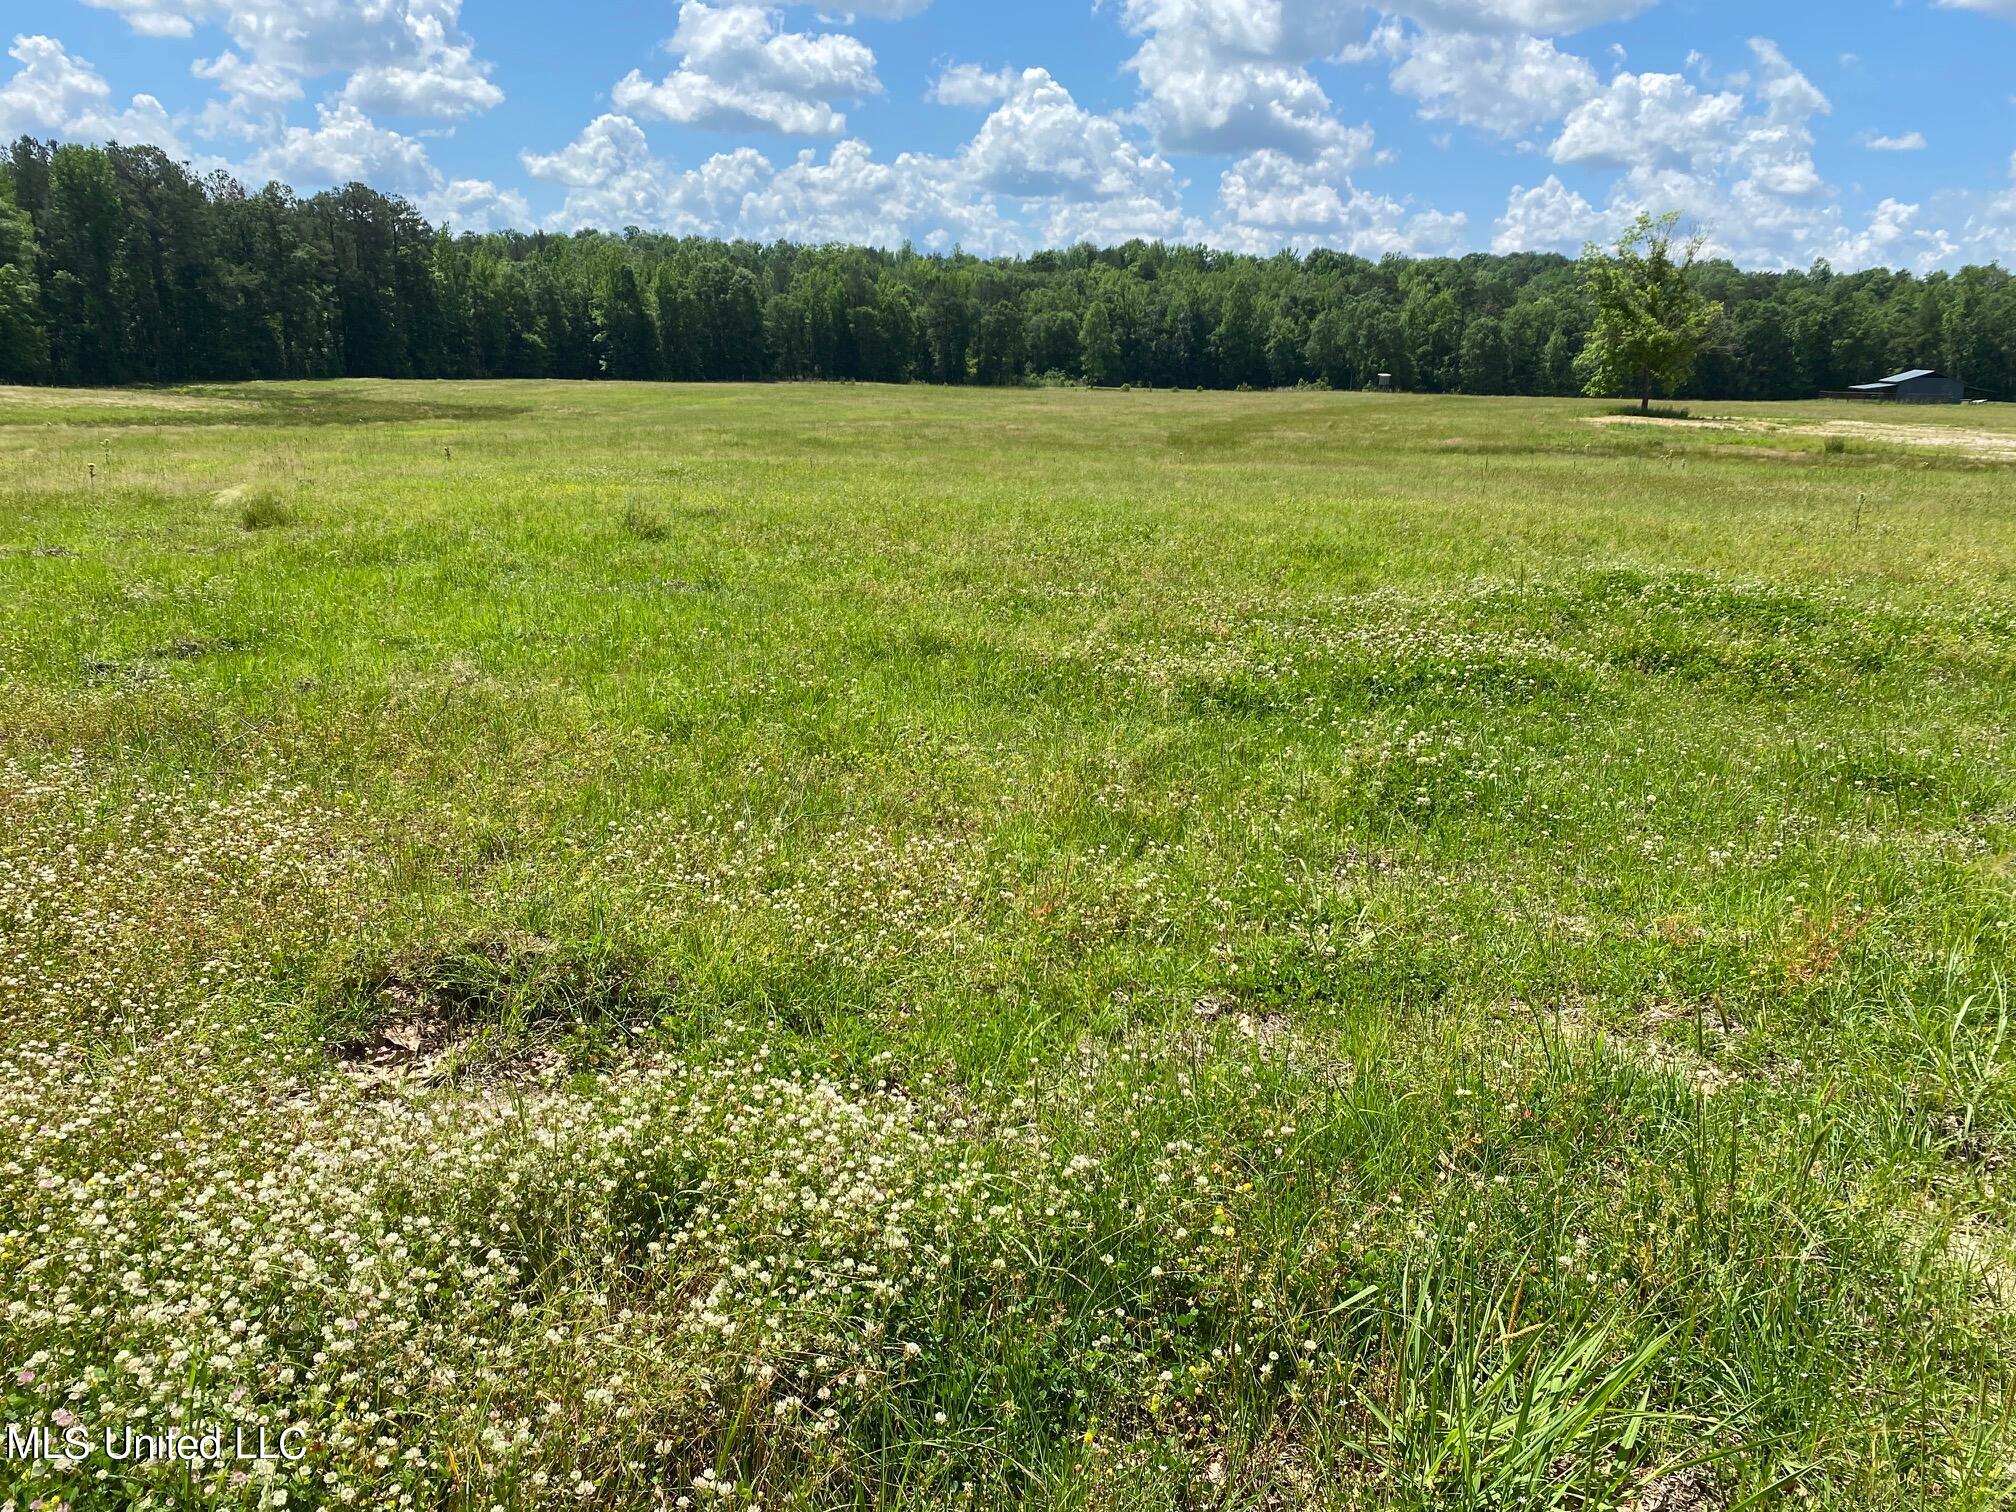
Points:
[(632, 946)]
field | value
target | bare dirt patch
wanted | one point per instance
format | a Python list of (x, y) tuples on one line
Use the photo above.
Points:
[(1668, 422), (1690, 1490), (421, 1047), (1638, 1037), (1989, 1257), (412, 1047), (1978, 443), (489, 1008)]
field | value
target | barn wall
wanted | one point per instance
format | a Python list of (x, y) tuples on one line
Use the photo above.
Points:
[(1935, 390)]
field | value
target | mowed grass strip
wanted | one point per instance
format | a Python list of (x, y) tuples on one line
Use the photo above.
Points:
[(907, 947)]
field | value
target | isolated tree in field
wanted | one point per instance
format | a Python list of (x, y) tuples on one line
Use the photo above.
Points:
[(1651, 322)]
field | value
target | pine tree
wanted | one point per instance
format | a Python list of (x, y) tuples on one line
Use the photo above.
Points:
[(82, 236), (24, 349)]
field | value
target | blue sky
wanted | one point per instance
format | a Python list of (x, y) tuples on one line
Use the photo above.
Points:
[(1867, 133)]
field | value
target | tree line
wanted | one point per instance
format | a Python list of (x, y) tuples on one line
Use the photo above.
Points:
[(119, 265)]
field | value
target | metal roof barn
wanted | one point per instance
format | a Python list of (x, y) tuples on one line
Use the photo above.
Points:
[(1912, 386)]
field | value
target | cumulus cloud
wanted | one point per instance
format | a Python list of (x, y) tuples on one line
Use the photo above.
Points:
[(970, 84), (54, 93), (452, 83), (613, 179), (1789, 96), (607, 147), (874, 10), (408, 57), (1269, 200), (1230, 76), (345, 145), (850, 197), (1502, 84), (1643, 120), (739, 69), (1984, 223), (1910, 141), (247, 84), (1547, 17), (1738, 164), (1548, 217), (1040, 169), (474, 205), (1040, 143), (1234, 76)]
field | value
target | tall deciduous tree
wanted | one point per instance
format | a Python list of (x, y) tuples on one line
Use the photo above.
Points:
[(625, 340), (1651, 322), (1097, 351)]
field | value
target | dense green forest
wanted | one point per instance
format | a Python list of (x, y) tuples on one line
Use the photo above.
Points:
[(117, 265)]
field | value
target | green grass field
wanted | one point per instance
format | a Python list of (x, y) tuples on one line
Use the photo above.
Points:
[(637, 946)]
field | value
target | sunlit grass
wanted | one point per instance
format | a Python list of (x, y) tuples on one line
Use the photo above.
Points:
[(853, 946)]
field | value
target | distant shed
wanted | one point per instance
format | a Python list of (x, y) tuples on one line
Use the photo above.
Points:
[(1912, 386)]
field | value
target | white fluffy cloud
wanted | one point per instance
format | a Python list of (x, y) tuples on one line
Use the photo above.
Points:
[(1503, 84), (613, 179), (56, 94), (1231, 76), (1910, 141), (874, 10), (408, 57), (1547, 17), (739, 69), (1737, 164), (1548, 217), (1984, 223), (1646, 120), (853, 197), (450, 84), (343, 145), (474, 205), (970, 84), (1234, 76), (1040, 169), (1738, 222), (248, 85), (1269, 200), (1039, 143)]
